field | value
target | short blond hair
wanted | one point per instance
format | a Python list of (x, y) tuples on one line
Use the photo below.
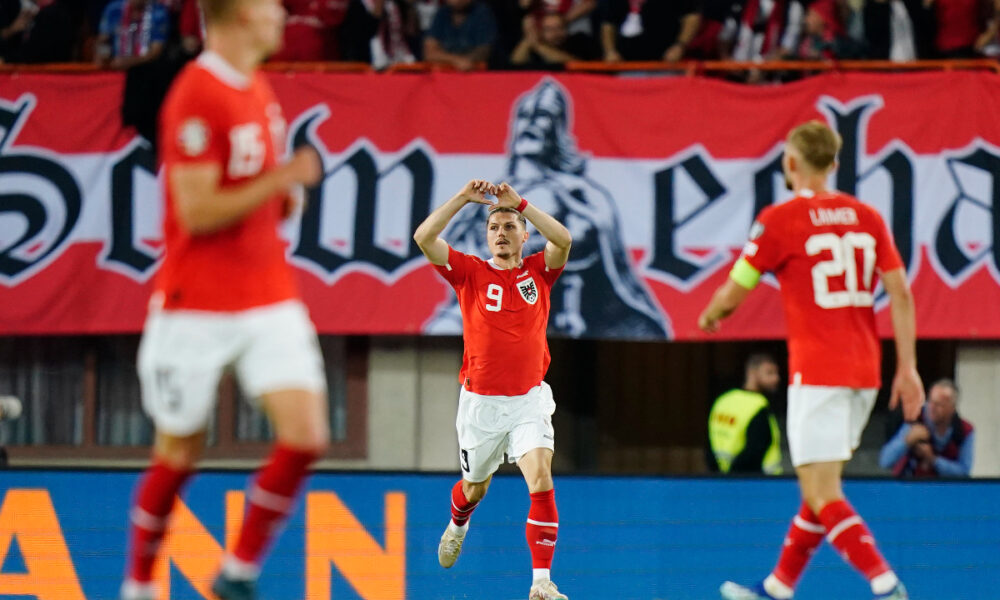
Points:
[(816, 143), (218, 10)]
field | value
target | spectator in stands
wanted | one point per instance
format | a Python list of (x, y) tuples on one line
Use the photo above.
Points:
[(719, 21), (743, 434), (576, 13), (769, 30), (960, 23), (379, 32), (132, 32), (45, 32), (16, 17), (191, 27), (462, 34), (649, 30), (940, 443), (822, 32), (312, 30), (547, 43), (988, 43)]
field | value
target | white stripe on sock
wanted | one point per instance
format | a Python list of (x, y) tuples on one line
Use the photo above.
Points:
[(270, 500), (807, 526), (147, 521), (542, 523), (844, 525), (465, 510)]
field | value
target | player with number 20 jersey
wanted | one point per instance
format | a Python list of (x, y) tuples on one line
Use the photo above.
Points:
[(826, 249)]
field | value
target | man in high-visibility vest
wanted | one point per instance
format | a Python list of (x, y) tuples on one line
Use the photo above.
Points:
[(742, 431)]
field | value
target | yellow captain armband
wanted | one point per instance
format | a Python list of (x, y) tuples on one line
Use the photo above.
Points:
[(745, 274)]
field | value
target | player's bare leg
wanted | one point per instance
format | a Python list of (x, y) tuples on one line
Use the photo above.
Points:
[(465, 497), (300, 423), (822, 491), (824, 512), (542, 526), (174, 460)]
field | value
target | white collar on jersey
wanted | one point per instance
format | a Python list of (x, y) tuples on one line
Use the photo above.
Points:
[(499, 268), (223, 71), (806, 193)]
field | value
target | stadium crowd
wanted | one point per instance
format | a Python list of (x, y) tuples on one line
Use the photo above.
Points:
[(504, 34)]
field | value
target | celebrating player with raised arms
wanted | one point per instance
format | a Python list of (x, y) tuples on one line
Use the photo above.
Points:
[(504, 405), (825, 248), (225, 296)]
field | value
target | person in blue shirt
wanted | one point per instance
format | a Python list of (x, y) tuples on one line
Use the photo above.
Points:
[(461, 35), (941, 443), (132, 32)]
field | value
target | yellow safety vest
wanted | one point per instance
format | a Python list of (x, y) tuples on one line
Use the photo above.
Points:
[(727, 429)]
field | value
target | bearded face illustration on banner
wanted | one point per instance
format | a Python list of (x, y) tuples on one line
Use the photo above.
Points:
[(599, 293)]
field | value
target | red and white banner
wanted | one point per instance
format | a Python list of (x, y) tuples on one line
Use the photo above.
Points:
[(658, 179)]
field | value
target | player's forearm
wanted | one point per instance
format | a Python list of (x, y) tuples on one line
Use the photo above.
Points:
[(551, 229), (726, 300), (430, 230), (217, 209), (904, 326)]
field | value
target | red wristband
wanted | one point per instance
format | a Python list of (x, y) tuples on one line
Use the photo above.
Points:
[(523, 205)]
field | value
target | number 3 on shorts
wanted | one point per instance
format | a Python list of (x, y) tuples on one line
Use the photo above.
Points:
[(465, 461)]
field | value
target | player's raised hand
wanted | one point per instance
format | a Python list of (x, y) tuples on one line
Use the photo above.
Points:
[(476, 191), (908, 390), (507, 196), (305, 167)]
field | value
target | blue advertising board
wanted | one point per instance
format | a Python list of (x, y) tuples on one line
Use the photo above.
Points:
[(373, 536)]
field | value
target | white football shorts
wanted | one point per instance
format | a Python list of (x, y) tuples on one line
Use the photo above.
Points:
[(825, 423), (491, 426), (183, 354)]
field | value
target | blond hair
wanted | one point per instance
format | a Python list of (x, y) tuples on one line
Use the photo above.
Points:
[(218, 10), (816, 143)]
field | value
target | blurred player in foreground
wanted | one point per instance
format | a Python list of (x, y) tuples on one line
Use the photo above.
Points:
[(504, 405), (825, 248), (225, 296)]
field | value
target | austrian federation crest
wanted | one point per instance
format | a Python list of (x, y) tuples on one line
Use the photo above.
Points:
[(528, 290)]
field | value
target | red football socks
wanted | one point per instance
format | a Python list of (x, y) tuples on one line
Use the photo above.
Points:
[(851, 537), (804, 536), (271, 500), (461, 508), (542, 528), (153, 503)]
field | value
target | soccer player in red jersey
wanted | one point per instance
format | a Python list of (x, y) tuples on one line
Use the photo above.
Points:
[(826, 248), (225, 296), (504, 406)]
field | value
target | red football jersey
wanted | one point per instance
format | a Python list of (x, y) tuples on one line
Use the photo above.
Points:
[(504, 316), (213, 114), (826, 250)]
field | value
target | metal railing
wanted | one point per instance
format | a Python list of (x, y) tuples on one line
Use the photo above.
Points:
[(688, 68)]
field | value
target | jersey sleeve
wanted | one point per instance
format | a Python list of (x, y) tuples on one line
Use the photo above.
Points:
[(456, 270), (536, 262), (887, 256), (764, 249), (191, 131)]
